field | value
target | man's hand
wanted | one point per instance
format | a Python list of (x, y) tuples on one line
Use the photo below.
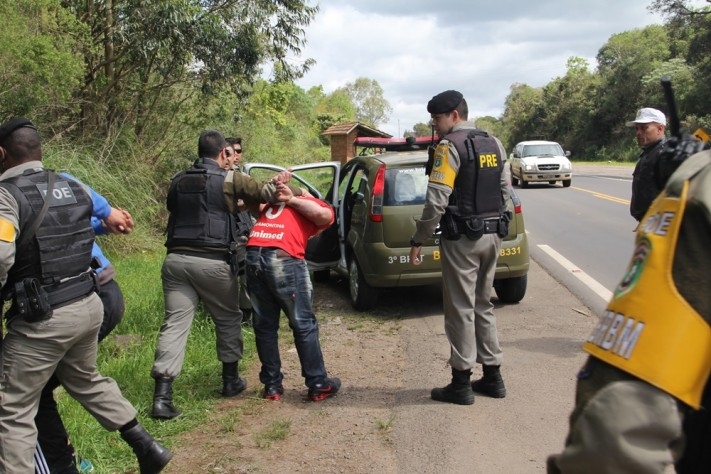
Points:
[(415, 257), (119, 221), (282, 177), (284, 193)]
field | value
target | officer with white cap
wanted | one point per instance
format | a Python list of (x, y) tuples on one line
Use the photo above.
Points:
[(649, 125)]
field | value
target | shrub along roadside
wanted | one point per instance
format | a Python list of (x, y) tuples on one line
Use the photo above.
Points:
[(126, 355)]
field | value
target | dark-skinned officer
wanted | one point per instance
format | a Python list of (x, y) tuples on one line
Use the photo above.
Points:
[(54, 319)]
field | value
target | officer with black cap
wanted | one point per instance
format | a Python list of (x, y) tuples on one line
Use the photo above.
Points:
[(466, 195), (55, 315)]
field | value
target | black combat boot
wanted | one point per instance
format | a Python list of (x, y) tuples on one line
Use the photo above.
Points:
[(152, 457), (491, 384), (232, 383), (459, 391), (163, 408)]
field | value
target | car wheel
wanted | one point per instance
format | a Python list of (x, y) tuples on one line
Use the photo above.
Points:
[(524, 184), (322, 276), (363, 296), (567, 183), (511, 290)]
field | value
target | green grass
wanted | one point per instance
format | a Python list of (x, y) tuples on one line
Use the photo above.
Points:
[(126, 355), (278, 429)]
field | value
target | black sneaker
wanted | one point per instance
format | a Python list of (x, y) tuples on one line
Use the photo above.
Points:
[(321, 391), (273, 392)]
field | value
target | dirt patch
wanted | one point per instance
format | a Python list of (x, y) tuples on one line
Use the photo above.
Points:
[(350, 432)]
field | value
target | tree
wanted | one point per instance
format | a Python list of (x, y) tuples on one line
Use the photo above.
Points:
[(522, 115), (40, 69), (490, 125), (419, 130), (622, 63), (144, 61), (568, 104), (367, 95)]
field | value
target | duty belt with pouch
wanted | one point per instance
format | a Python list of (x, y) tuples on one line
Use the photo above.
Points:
[(474, 227), (34, 302)]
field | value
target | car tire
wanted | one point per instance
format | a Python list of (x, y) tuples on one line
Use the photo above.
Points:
[(567, 183), (363, 296), (523, 184), (322, 276), (511, 290)]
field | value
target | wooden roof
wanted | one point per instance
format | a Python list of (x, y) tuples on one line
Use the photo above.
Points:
[(348, 127)]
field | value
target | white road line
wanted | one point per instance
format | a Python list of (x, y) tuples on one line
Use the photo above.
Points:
[(591, 283)]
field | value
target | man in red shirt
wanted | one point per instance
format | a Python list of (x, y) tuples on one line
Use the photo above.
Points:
[(278, 279)]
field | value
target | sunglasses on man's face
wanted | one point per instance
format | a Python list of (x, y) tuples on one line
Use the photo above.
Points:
[(238, 150)]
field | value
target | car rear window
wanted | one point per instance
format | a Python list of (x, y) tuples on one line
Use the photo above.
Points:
[(538, 150), (405, 186)]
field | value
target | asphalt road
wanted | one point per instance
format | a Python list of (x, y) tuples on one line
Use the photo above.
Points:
[(541, 339)]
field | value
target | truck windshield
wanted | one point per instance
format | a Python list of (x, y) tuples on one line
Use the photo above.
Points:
[(545, 149)]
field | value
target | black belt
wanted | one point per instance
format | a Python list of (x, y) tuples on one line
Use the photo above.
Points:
[(491, 226), (212, 255), (279, 252), (67, 292)]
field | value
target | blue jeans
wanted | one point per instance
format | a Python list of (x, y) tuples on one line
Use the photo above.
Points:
[(276, 282)]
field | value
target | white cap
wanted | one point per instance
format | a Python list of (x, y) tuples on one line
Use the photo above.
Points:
[(648, 115)]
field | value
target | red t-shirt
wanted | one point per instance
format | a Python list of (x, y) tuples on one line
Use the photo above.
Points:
[(281, 226)]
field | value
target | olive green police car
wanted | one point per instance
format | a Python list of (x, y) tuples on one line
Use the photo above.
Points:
[(377, 199)]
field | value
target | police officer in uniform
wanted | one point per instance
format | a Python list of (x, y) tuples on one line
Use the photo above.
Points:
[(55, 451), (245, 220), (649, 125), (200, 265), (466, 195), (55, 315), (650, 354)]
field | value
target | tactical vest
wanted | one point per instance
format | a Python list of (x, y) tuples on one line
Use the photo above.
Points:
[(477, 188), (198, 213), (61, 246), (648, 329)]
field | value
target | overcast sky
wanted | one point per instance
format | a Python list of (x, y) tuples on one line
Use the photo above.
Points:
[(416, 50)]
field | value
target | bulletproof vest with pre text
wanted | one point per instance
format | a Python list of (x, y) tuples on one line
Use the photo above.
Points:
[(477, 188)]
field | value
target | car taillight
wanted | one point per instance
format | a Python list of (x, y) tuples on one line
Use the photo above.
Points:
[(376, 201)]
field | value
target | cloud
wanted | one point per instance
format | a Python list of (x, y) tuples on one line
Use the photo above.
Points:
[(415, 51)]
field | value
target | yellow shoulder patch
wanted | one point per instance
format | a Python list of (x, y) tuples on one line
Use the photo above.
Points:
[(442, 171), (7, 230)]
